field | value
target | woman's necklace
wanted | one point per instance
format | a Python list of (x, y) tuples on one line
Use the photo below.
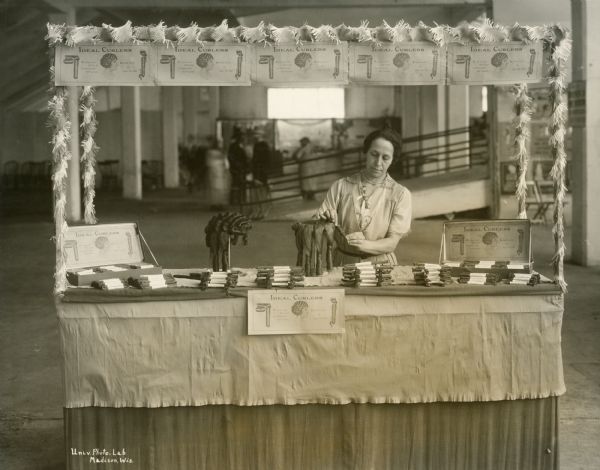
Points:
[(363, 181)]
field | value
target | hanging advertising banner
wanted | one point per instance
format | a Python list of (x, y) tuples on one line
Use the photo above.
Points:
[(299, 65), (105, 64), (495, 64), (409, 63), (203, 64), (296, 311)]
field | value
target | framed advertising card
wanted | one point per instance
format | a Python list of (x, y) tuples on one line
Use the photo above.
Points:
[(297, 311), (477, 240), (411, 63), (310, 65), (105, 64), (504, 63), (203, 64)]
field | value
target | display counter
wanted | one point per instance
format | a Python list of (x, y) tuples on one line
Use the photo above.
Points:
[(464, 375)]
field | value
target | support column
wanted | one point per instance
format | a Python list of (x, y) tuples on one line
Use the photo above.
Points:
[(214, 108), (433, 112), (475, 101), (169, 134), (585, 119), (457, 116), (190, 118), (132, 142), (411, 125)]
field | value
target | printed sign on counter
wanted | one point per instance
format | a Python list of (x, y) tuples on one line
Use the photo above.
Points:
[(207, 65), (502, 240), (105, 64), (96, 245), (411, 63), (301, 65), (498, 63), (297, 311)]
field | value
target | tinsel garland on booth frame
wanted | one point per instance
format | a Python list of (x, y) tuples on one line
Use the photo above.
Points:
[(90, 149), (523, 111), (560, 48)]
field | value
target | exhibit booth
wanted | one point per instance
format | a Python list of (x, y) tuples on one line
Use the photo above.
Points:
[(454, 365)]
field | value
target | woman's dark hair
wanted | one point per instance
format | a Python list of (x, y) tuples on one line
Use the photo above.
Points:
[(388, 134)]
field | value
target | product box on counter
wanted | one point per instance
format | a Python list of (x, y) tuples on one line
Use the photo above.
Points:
[(500, 246), (97, 252)]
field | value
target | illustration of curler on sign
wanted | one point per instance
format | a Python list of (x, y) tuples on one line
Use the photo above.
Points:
[(333, 311), (464, 59), (169, 59), (521, 240), (336, 70), (72, 245), (267, 59), (73, 59), (366, 59), (238, 70), (531, 62), (460, 239), (144, 57), (264, 307), (436, 55)]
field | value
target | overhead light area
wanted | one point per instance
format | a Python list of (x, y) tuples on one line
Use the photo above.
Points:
[(305, 103)]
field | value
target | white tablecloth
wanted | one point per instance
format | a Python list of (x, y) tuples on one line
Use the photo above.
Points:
[(396, 349)]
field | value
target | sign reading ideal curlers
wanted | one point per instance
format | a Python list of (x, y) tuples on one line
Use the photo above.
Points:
[(301, 65), (105, 64), (497, 63), (407, 63), (213, 64)]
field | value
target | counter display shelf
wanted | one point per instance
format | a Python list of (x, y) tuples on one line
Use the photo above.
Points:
[(455, 377)]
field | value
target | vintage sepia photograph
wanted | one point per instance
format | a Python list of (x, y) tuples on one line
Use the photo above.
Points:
[(299, 235)]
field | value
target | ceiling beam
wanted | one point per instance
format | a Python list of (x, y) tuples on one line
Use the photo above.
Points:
[(260, 4)]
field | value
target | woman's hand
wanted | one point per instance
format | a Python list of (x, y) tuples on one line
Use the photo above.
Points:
[(326, 214)]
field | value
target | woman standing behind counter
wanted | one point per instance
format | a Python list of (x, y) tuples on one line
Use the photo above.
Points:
[(370, 207)]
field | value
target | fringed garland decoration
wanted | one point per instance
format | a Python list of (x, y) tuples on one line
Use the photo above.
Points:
[(61, 154), (282, 35), (89, 125), (560, 48), (523, 111), (485, 31)]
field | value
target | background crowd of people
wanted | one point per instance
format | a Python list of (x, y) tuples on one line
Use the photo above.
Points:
[(241, 175)]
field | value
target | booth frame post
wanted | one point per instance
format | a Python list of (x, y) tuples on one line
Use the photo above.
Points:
[(169, 133), (585, 122), (73, 211), (190, 117), (494, 163), (132, 142)]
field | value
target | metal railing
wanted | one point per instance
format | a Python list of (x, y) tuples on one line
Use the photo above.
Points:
[(422, 156)]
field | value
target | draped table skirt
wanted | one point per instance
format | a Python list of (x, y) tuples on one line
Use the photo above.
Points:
[(416, 381)]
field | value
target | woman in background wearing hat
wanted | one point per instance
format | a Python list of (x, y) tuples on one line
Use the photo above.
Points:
[(371, 209), (303, 155)]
